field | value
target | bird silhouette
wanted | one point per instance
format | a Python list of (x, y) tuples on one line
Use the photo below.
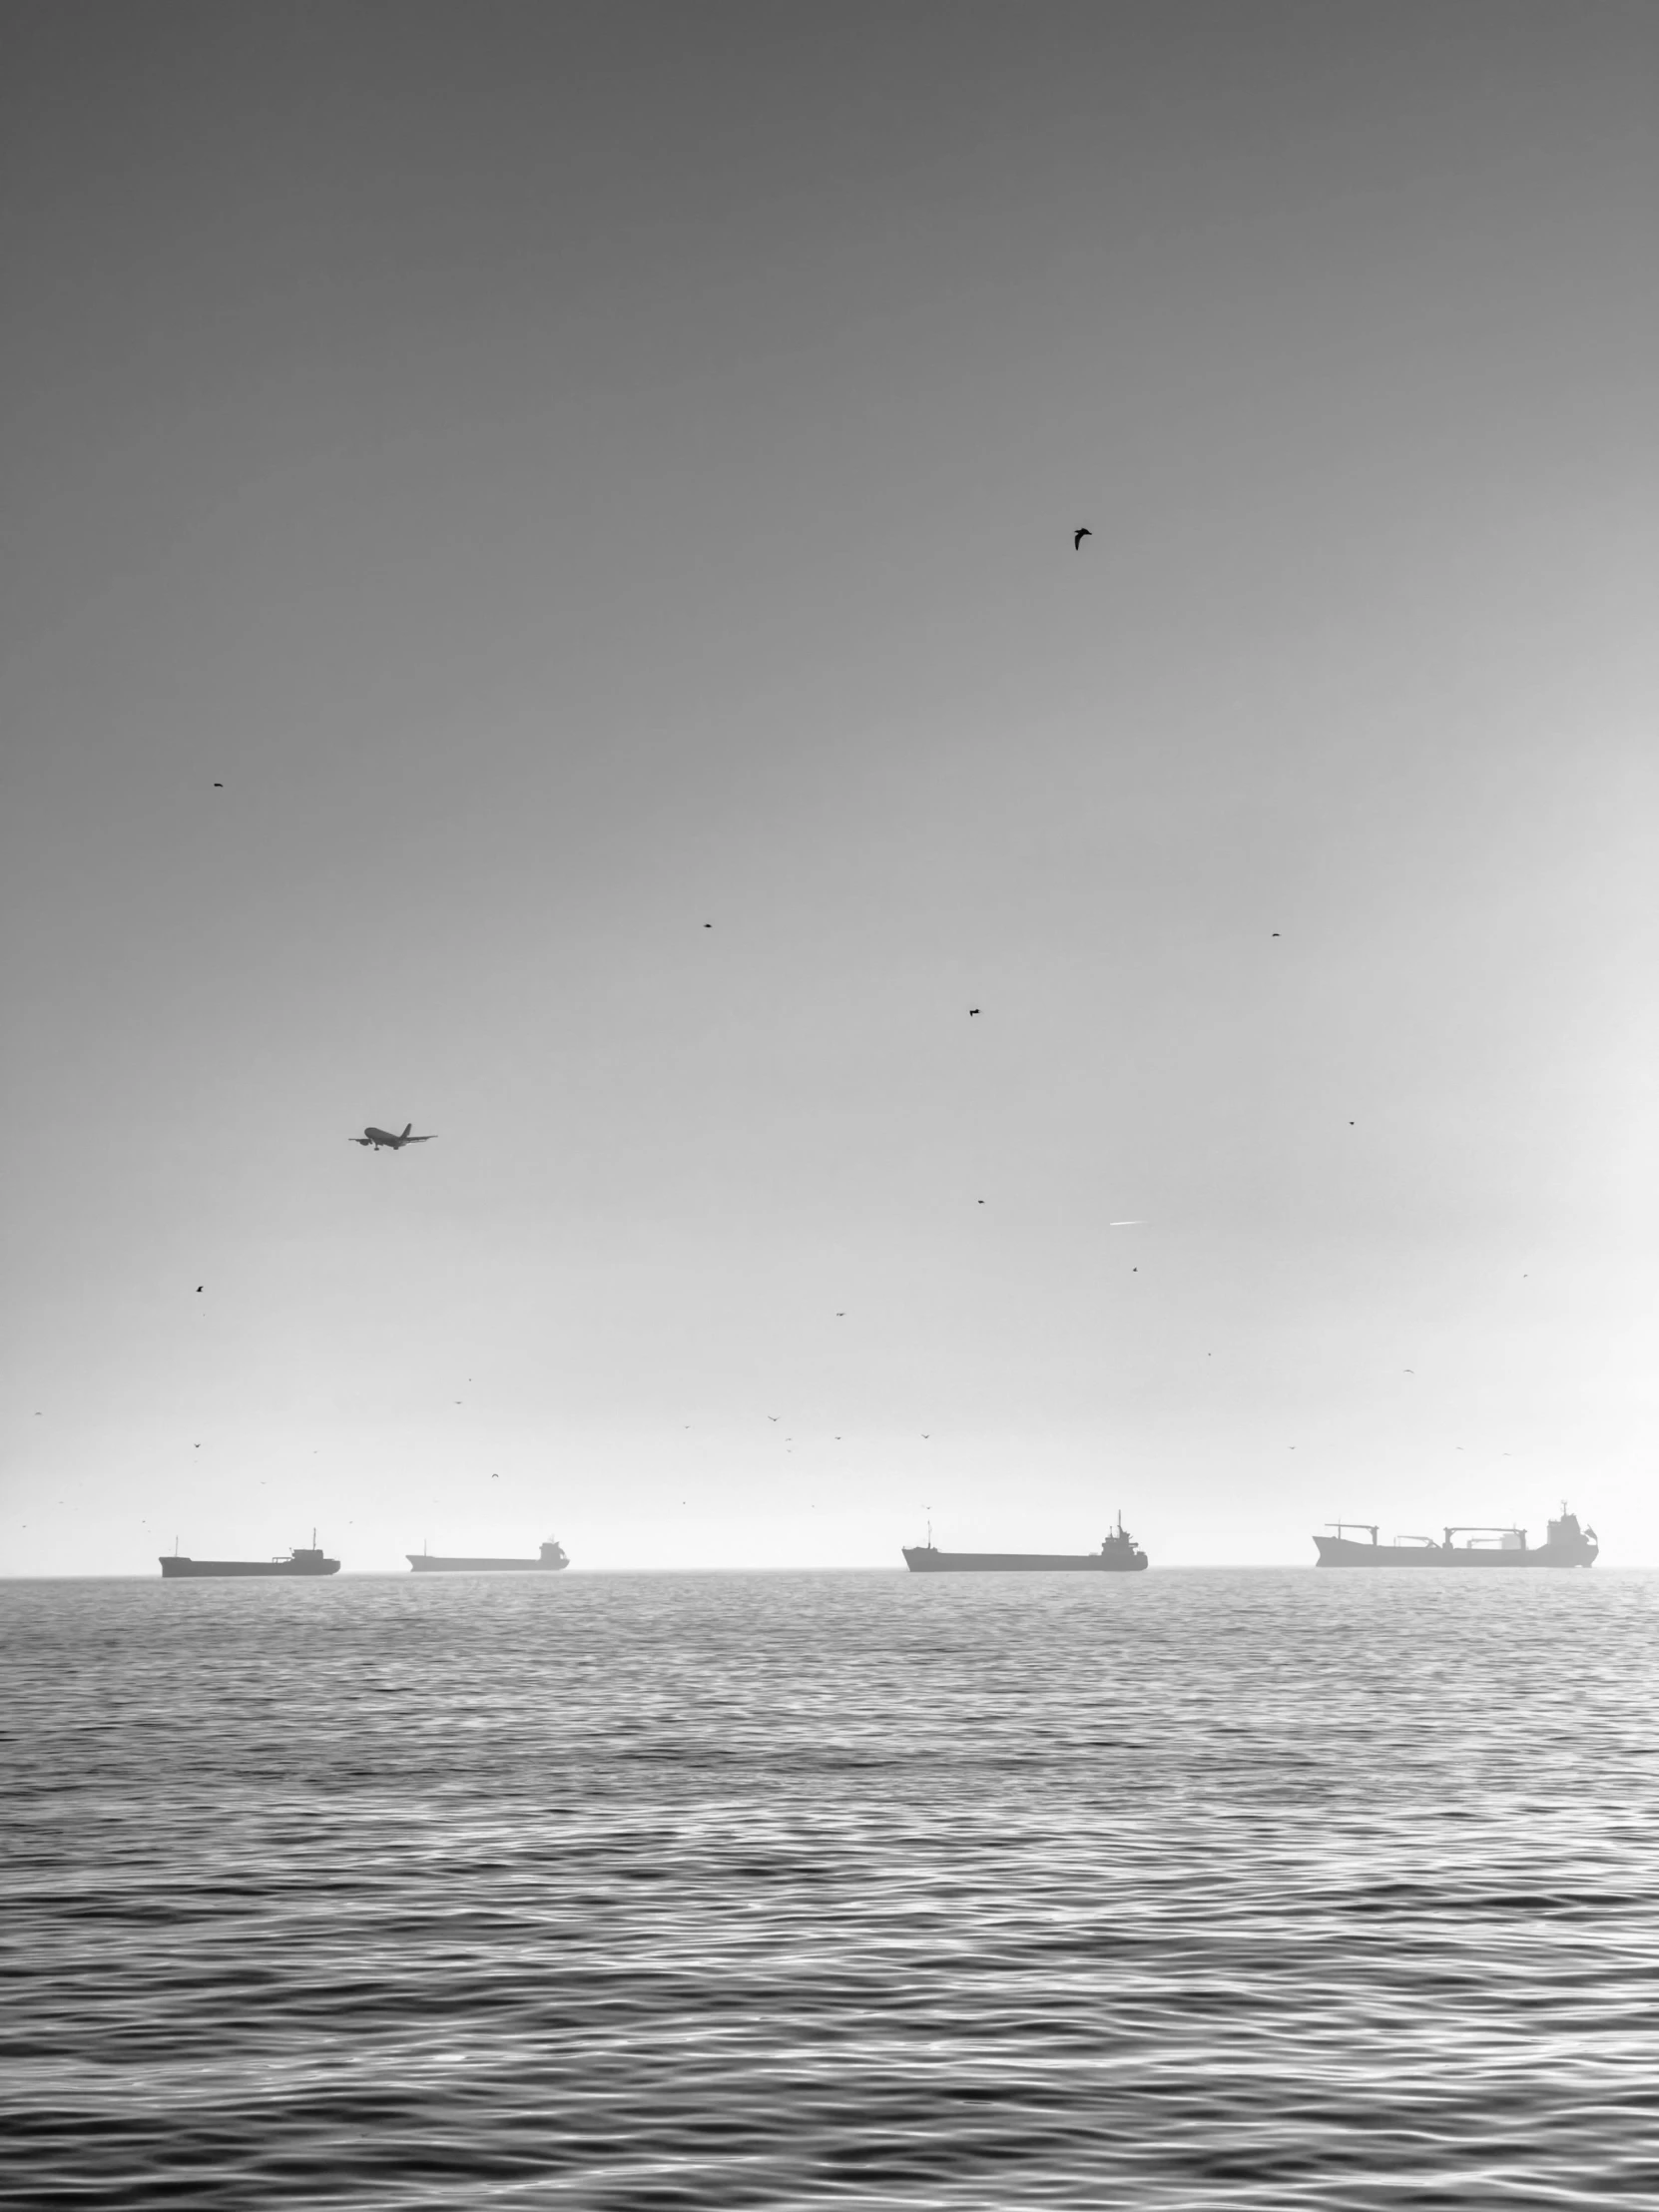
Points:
[(199, 1288), (219, 786), (772, 1416), (973, 1010), (1077, 537), (1276, 932)]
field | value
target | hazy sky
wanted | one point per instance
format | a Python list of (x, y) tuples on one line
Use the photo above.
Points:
[(579, 476)]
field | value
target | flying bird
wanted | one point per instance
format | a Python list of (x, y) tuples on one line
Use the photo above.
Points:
[(1276, 932), (1077, 537), (199, 1288), (772, 1416), (219, 786), (973, 1010)]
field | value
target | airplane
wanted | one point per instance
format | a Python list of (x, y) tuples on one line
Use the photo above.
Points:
[(379, 1137)]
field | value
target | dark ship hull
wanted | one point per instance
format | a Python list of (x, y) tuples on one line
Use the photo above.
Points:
[(1117, 1555), (299, 1563), (552, 1561), (1569, 1546)]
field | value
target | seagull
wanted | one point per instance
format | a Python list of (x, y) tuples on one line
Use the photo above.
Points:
[(1077, 537)]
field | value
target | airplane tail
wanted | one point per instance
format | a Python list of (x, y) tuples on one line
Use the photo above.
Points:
[(407, 1126)]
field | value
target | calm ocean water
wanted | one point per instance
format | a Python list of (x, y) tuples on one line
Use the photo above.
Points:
[(1182, 1889)]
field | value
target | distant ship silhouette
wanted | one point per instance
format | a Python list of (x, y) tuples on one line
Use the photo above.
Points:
[(1118, 1554), (431, 1562), (305, 1561), (1568, 1545)]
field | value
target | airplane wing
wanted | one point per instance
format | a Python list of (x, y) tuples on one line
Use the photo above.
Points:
[(359, 1140), (421, 1140)]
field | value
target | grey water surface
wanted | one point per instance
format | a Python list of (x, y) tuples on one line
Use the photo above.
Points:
[(1255, 1888)]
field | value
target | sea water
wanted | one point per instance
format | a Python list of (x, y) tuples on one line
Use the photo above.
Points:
[(1267, 1889)]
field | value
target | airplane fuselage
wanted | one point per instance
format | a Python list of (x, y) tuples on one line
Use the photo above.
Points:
[(388, 1140)]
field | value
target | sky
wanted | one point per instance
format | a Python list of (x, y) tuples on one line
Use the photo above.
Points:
[(540, 602)]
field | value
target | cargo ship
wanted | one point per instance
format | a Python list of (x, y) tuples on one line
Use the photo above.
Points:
[(303, 1562), (1568, 1545), (430, 1562), (1118, 1554)]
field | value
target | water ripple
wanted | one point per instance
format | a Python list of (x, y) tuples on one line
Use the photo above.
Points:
[(1299, 1892)]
